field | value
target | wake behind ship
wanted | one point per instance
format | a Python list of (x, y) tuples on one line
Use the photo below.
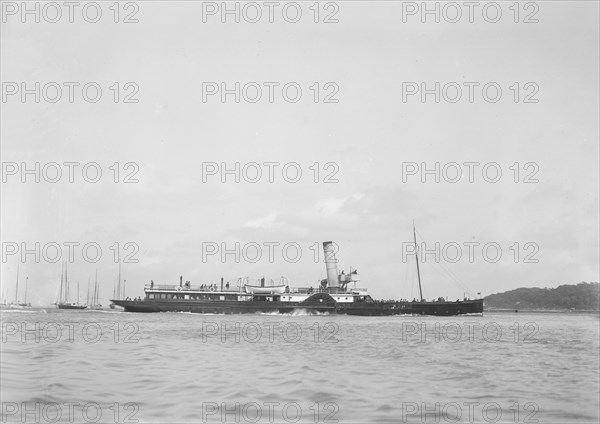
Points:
[(334, 296)]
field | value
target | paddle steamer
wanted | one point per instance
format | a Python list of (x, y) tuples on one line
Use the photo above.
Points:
[(337, 294)]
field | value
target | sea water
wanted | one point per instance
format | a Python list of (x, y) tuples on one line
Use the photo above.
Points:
[(107, 366)]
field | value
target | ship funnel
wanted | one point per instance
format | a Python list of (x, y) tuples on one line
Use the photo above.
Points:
[(331, 264)]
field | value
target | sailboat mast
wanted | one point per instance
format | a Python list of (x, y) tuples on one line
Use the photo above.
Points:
[(87, 299), (26, 283), (78, 291), (417, 259), (119, 282), (66, 285), (17, 286), (96, 288), (60, 292)]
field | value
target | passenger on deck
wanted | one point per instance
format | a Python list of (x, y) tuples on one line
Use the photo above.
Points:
[(227, 285)]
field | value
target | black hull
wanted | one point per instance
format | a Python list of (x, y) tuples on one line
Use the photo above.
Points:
[(220, 307), (79, 307), (254, 307), (413, 308)]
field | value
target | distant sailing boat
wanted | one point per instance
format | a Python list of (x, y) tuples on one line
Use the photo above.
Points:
[(95, 304), (4, 305), (25, 304), (16, 304), (117, 290), (63, 296)]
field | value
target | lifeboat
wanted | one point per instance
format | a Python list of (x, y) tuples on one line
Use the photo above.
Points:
[(265, 290)]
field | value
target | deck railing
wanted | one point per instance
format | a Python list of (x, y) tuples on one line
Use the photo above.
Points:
[(236, 289)]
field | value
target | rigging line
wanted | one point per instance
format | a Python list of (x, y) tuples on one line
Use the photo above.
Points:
[(457, 279), (448, 274), (452, 276)]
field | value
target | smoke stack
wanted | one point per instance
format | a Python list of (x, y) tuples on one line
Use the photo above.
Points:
[(180, 280), (221, 283), (331, 264)]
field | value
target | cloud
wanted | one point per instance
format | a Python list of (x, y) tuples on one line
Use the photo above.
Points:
[(335, 206), (267, 222)]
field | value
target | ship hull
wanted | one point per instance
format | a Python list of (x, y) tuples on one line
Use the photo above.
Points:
[(222, 307), (413, 308), (253, 307), (66, 306)]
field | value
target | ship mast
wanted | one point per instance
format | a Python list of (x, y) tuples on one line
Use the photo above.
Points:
[(66, 285), (119, 283), (417, 259), (17, 286), (95, 300), (60, 292), (26, 282)]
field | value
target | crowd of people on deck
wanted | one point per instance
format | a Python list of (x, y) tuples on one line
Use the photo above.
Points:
[(187, 286), (415, 300)]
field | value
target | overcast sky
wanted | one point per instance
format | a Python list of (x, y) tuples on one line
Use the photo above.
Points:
[(370, 135)]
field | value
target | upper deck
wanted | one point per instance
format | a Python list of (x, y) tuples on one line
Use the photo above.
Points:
[(239, 294), (170, 288)]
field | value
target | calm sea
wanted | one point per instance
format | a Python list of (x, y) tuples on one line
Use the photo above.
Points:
[(106, 366)]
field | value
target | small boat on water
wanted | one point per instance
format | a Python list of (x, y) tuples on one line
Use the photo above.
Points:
[(71, 306), (93, 303), (63, 301), (117, 292), (16, 304), (332, 295)]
